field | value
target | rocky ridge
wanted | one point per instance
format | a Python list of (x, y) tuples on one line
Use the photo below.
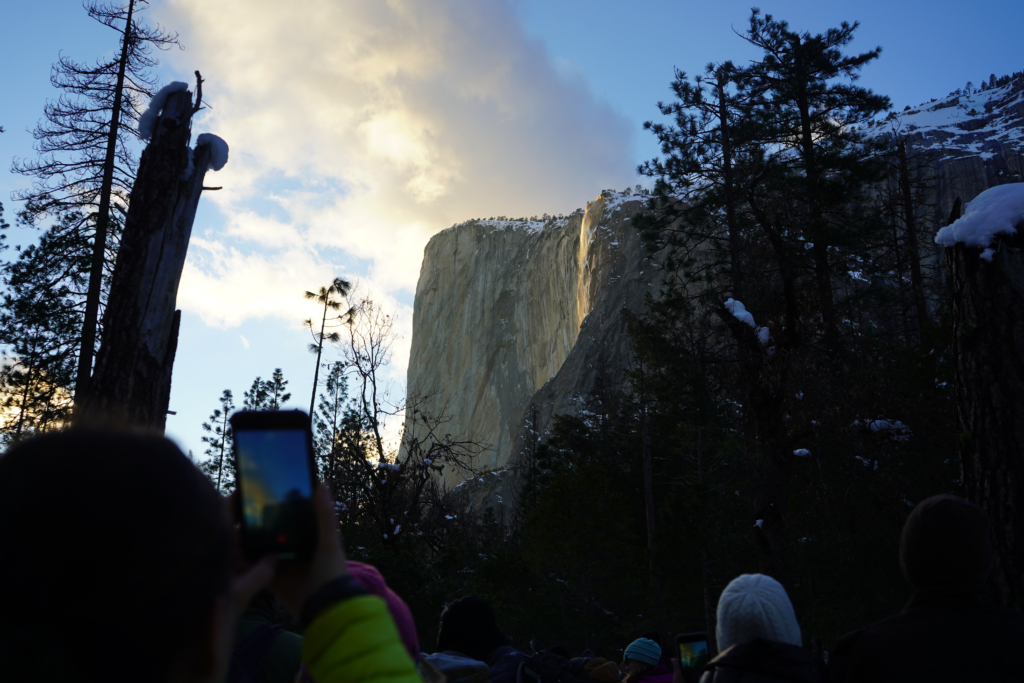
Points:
[(975, 140)]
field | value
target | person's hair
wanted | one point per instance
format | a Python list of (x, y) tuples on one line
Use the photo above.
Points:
[(644, 668), (946, 539), (468, 626), (115, 550)]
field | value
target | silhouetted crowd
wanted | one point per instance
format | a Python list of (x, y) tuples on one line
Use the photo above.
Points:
[(120, 563)]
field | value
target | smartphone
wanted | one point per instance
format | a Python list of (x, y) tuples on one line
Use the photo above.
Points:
[(276, 474), (694, 654)]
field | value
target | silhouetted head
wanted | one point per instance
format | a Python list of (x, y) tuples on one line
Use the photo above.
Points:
[(468, 626), (755, 606), (946, 540), (116, 561)]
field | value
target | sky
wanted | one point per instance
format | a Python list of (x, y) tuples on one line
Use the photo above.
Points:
[(359, 128)]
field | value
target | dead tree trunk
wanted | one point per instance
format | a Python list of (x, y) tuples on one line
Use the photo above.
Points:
[(131, 384), (764, 379), (988, 346)]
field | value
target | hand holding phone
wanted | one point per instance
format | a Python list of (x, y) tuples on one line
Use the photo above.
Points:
[(276, 475), (694, 654), (293, 582)]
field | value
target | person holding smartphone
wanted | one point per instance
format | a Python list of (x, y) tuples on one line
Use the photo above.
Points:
[(118, 567)]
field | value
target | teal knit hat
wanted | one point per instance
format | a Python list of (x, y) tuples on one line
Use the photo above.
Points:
[(643, 650)]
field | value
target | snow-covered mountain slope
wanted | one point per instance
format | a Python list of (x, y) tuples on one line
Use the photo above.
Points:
[(975, 140)]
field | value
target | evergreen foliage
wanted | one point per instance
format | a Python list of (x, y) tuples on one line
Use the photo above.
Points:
[(40, 325), (275, 388), (219, 467), (268, 394)]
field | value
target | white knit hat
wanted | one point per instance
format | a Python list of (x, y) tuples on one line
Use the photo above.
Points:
[(755, 606)]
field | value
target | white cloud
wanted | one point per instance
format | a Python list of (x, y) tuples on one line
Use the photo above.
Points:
[(245, 342), (368, 125)]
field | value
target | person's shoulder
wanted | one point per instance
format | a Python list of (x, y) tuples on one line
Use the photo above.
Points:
[(766, 660)]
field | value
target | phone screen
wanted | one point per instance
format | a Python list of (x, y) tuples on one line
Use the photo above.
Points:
[(276, 488), (694, 655)]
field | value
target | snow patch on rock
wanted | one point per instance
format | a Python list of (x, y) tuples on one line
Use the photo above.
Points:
[(218, 150)]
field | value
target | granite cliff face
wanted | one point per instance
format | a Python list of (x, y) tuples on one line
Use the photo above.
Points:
[(512, 314)]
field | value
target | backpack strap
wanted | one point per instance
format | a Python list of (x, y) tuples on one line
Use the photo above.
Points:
[(247, 658)]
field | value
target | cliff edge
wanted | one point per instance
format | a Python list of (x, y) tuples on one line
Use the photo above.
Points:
[(512, 315)]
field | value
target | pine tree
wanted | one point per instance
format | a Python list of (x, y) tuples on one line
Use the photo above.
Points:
[(86, 163), (808, 111), (268, 394), (697, 180), (325, 296), (220, 465), (327, 421), (276, 394), (257, 398), (40, 323)]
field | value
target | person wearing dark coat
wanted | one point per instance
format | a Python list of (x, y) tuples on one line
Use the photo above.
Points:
[(759, 637), (468, 627), (950, 630)]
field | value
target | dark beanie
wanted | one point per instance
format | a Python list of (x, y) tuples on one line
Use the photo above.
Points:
[(946, 540), (468, 626)]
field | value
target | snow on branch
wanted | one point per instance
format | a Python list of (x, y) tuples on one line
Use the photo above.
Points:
[(740, 312), (996, 211), (147, 122), (897, 430)]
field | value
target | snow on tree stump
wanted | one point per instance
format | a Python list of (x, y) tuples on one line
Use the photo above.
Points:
[(985, 267), (131, 382)]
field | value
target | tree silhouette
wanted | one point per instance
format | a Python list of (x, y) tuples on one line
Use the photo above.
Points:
[(85, 163), (325, 297), (219, 440), (275, 387)]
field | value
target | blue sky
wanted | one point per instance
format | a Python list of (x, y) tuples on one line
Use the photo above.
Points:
[(358, 128)]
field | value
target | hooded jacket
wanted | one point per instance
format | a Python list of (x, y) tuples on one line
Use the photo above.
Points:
[(356, 641), (765, 661)]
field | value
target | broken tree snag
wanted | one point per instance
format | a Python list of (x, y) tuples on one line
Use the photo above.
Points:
[(132, 380), (986, 281)]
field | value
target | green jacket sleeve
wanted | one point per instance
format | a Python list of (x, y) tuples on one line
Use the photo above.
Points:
[(355, 641)]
